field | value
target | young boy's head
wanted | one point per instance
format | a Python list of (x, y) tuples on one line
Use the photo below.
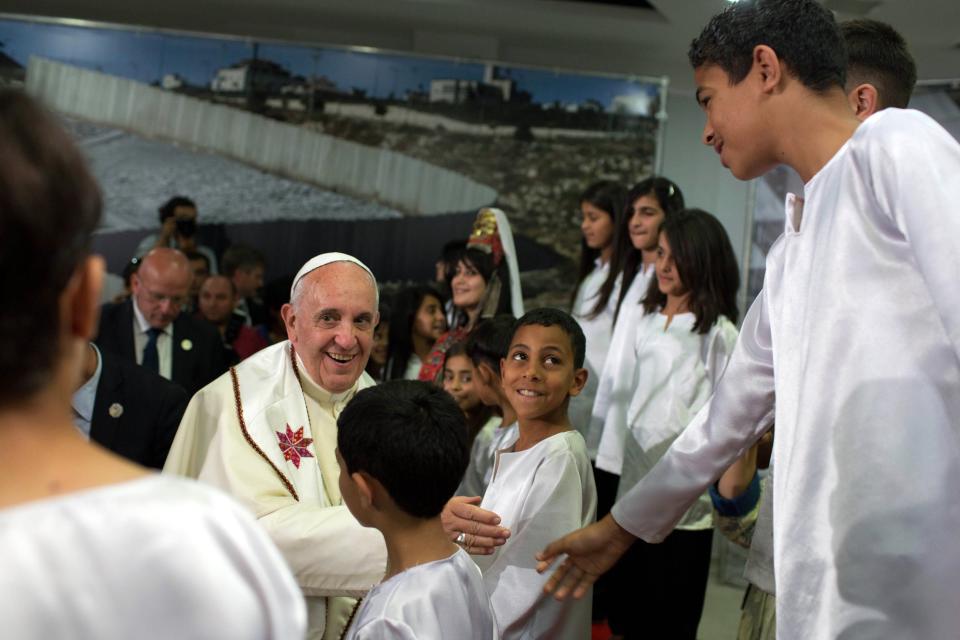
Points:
[(744, 61), (486, 346), (544, 364), (402, 449)]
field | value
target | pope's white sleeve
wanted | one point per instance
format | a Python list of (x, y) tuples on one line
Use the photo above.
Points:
[(738, 413), (329, 552)]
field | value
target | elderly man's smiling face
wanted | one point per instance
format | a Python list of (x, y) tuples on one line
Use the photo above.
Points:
[(330, 323)]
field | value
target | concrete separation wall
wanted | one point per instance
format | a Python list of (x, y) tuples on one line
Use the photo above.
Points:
[(385, 176)]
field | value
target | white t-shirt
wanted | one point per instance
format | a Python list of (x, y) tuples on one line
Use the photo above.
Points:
[(540, 494), (156, 557), (441, 599)]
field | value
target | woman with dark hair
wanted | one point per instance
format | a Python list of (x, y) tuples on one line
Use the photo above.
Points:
[(485, 283), (681, 343), (602, 206), (417, 321)]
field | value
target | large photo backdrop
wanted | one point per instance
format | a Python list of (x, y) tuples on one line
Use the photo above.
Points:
[(259, 133)]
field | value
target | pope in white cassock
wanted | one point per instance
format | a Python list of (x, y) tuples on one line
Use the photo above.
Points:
[(266, 432)]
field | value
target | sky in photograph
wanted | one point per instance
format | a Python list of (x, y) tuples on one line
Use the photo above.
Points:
[(147, 56)]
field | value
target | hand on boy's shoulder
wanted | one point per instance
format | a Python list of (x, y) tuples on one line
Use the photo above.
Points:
[(480, 528)]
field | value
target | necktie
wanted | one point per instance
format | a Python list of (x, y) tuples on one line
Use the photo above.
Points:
[(151, 357)]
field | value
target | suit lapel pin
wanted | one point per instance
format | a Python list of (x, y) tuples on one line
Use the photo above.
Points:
[(115, 410), (186, 344)]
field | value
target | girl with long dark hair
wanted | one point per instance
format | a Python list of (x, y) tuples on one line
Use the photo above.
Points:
[(417, 320), (602, 206), (649, 203), (681, 343)]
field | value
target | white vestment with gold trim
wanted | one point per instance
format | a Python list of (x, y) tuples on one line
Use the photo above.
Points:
[(280, 477)]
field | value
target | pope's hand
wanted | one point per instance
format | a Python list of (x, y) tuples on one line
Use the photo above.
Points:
[(481, 533), (591, 552)]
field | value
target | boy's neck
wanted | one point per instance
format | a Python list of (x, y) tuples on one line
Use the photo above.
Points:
[(415, 541), (815, 128), (536, 430)]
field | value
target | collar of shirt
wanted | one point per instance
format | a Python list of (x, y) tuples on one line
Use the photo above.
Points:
[(85, 396), (142, 323)]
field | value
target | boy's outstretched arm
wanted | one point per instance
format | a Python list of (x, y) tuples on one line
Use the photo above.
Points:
[(590, 552)]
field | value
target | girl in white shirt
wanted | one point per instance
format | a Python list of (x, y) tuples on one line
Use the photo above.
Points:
[(602, 206), (681, 343), (648, 204)]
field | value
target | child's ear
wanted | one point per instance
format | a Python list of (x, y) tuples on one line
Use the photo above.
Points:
[(579, 381), (767, 64), (364, 484), (863, 100)]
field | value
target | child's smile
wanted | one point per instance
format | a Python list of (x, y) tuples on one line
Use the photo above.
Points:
[(538, 372)]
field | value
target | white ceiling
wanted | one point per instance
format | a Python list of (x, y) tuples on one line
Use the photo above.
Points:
[(545, 33)]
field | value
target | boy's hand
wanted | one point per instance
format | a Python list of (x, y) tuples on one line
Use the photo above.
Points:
[(591, 552), (478, 527)]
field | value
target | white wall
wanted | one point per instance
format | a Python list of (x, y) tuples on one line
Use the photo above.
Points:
[(369, 173)]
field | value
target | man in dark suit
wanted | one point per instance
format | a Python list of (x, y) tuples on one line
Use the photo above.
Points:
[(148, 329), (127, 409)]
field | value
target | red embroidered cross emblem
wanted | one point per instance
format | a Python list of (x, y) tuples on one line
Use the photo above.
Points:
[(294, 445)]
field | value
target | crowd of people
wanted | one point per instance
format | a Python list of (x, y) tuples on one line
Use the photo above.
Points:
[(337, 464)]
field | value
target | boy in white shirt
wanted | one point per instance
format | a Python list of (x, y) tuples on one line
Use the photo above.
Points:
[(852, 347), (402, 449), (542, 483)]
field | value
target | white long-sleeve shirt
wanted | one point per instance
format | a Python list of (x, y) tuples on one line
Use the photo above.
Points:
[(857, 336)]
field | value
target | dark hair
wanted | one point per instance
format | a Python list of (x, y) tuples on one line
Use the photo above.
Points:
[(483, 263), (450, 255), (196, 255), (171, 205), (610, 197), (405, 306), (377, 373), (627, 259), (411, 437), (240, 257), (802, 32), (49, 207), (548, 317), (878, 55), (490, 340), (707, 267), (129, 269), (483, 413)]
